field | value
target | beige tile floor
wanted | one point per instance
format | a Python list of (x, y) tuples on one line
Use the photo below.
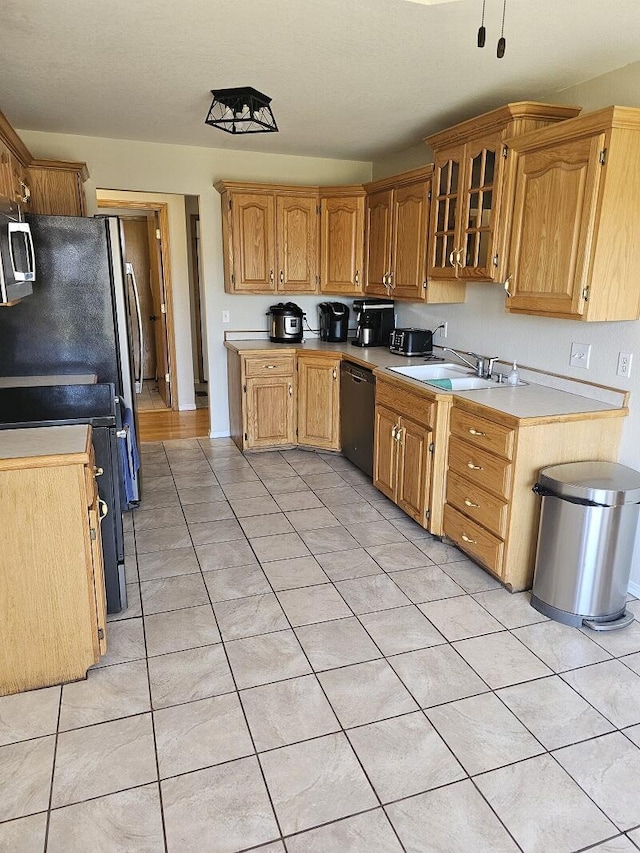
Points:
[(301, 668)]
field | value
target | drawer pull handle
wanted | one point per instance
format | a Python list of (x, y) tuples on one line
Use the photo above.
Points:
[(290, 390), (269, 366), (104, 509), (465, 538), (476, 432), (474, 467), (335, 373), (471, 503), (98, 472)]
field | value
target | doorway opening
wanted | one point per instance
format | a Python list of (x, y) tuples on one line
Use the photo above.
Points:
[(198, 319), (145, 239)]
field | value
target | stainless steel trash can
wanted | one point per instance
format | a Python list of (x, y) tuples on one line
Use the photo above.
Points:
[(588, 524)]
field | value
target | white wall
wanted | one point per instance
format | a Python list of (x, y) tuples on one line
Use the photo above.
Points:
[(153, 168), (482, 325)]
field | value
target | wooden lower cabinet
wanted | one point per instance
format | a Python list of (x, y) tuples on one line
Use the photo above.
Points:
[(262, 399), (319, 401), (269, 412), (407, 465), (52, 597), (491, 512)]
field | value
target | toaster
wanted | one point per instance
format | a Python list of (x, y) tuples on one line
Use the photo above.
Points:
[(411, 342)]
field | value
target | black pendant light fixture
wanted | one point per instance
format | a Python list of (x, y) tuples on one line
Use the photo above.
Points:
[(482, 32), (241, 110)]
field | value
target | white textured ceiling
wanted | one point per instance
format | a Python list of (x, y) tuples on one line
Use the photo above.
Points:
[(349, 78)]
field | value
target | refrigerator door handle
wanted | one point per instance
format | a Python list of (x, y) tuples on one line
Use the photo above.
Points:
[(24, 230), (132, 275)]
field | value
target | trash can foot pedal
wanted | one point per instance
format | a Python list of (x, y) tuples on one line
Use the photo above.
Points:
[(621, 622)]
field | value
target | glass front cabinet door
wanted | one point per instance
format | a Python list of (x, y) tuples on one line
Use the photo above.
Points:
[(467, 186)]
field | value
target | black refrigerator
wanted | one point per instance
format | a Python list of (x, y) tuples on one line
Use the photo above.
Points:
[(79, 323)]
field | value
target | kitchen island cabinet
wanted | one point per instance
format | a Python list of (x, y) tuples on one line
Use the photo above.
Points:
[(52, 596), (574, 251)]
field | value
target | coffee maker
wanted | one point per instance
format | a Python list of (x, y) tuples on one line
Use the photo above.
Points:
[(375, 321), (334, 321)]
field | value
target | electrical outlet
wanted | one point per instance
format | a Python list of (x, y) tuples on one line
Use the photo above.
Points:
[(580, 355), (624, 364), (442, 330), (226, 317)]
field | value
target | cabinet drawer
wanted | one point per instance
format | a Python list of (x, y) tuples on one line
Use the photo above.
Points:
[(269, 366), (414, 406), (475, 540), (483, 433), (477, 504), (480, 468)]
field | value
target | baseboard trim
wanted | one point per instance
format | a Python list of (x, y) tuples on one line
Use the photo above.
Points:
[(220, 434), (187, 407)]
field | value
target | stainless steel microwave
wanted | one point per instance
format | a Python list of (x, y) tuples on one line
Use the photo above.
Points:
[(17, 259)]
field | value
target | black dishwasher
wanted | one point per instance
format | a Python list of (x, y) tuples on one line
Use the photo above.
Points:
[(357, 404)]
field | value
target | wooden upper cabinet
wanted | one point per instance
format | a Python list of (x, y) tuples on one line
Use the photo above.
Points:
[(397, 220), (252, 249), (56, 187), (379, 222), (576, 195), (342, 243), (469, 222), (408, 247), (297, 243), (270, 236)]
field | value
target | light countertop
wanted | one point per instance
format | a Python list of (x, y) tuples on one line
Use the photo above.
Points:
[(532, 401), (45, 443)]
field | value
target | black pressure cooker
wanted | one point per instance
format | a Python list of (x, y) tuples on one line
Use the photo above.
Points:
[(285, 323)]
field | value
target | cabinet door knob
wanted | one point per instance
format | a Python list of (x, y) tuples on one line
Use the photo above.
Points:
[(335, 373), (281, 277), (394, 430), (271, 276), (465, 538), (356, 279), (104, 509), (474, 467), (471, 503), (290, 390), (476, 432), (98, 472), (452, 257)]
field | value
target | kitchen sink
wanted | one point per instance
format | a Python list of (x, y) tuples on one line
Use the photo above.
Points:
[(425, 372), (449, 377)]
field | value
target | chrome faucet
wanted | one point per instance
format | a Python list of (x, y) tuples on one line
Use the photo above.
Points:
[(483, 366)]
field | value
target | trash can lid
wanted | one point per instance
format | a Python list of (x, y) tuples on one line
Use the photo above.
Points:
[(605, 483)]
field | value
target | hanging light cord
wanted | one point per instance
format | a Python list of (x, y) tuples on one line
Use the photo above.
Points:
[(502, 42), (482, 33)]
